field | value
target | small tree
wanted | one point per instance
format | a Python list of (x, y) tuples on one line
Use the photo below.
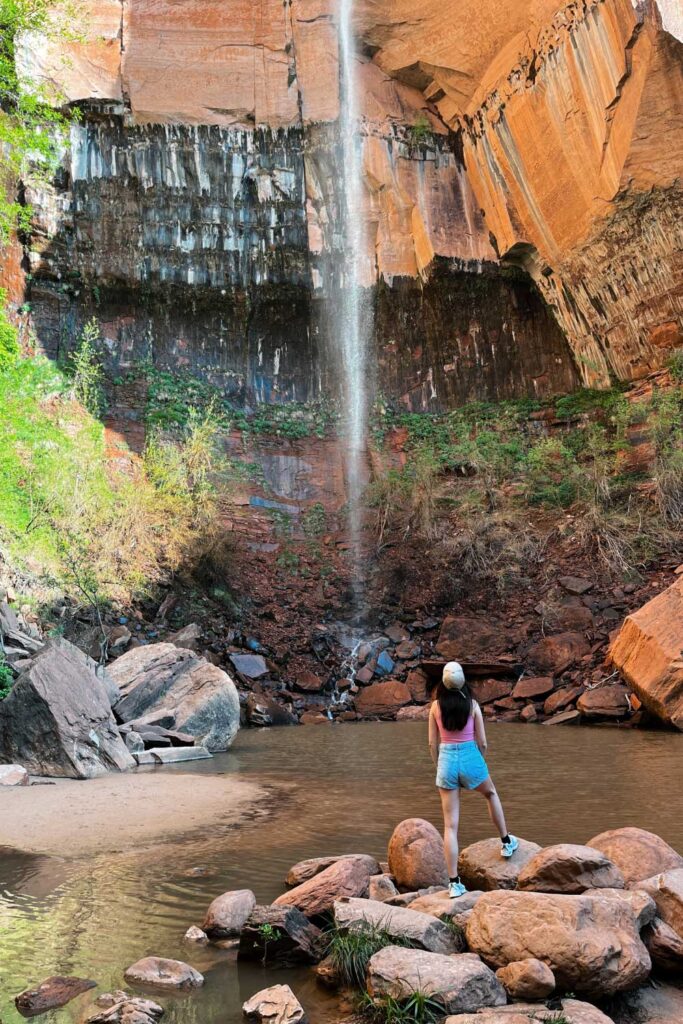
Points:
[(86, 372)]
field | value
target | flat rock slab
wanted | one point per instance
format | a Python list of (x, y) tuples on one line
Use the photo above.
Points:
[(637, 853), (590, 942), (159, 972), (573, 1010), (274, 1005), (253, 666), (481, 865), (462, 983), (348, 876), (170, 755), (50, 994), (423, 930), (440, 904), (571, 869)]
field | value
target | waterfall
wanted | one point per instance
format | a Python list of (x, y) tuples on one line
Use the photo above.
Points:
[(354, 320)]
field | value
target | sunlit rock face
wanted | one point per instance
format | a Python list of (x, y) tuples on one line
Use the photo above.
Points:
[(199, 213)]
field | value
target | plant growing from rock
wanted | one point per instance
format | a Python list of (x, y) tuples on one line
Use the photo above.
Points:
[(269, 933), (350, 950), (85, 369), (6, 677)]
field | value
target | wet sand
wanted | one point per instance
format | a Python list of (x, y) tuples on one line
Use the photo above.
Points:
[(121, 812)]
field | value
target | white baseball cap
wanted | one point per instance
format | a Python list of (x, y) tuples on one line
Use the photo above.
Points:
[(453, 676)]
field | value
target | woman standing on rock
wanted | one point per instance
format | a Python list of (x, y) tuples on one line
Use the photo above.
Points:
[(457, 742)]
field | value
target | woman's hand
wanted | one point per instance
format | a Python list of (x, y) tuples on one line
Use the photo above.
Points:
[(433, 735), (479, 731)]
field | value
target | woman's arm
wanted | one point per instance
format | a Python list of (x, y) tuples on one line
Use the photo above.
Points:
[(479, 731), (433, 734)]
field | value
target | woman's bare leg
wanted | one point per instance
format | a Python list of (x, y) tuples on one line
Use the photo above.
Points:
[(495, 807), (450, 803)]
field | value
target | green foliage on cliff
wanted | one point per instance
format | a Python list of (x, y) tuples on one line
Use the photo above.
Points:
[(84, 367), (9, 343), (31, 127), (70, 514), (6, 677), (471, 475)]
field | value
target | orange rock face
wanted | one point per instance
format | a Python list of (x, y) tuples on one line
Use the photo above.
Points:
[(649, 653)]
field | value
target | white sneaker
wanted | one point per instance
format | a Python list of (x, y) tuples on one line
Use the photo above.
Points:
[(509, 848), (456, 889)]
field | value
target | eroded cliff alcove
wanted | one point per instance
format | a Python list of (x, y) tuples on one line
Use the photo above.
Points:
[(520, 196)]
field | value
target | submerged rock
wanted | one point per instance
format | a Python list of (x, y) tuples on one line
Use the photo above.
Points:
[(416, 855), (462, 983), (122, 1008), (57, 719), (591, 942), (348, 876), (159, 972), (202, 696), (261, 710), (51, 994), (274, 1005)]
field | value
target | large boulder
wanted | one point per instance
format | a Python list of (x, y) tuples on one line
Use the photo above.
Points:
[(481, 865), (382, 700), (555, 654), (666, 889), (637, 853), (274, 1005), (590, 942), (609, 701), (527, 979), (647, 652), (421, 930), (416, 855), (462, 983), (57, 720), (202, 696), (159, 972), (228, 912), (464, 638), (281, 936), (348, 876), (570, 869)]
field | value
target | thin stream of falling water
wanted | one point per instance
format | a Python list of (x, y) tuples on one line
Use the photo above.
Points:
[(354, 322)]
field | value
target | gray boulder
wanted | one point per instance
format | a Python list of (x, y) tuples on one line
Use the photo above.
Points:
[(461, 983), (201, 696), (58, 721), (422, 930)]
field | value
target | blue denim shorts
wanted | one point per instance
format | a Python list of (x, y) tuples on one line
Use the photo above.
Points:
[(461, 766)]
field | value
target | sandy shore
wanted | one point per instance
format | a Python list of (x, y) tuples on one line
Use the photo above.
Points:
[(122, 812)]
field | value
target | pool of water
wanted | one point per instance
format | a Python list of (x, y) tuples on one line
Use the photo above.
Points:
[(336, 789)]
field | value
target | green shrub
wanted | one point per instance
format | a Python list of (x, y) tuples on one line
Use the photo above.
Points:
[(9, 344), (6, 677), (85, 369), (675, 366)]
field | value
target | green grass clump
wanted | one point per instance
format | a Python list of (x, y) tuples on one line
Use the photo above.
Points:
[(351, 951), (6, 677), (418, 1008)]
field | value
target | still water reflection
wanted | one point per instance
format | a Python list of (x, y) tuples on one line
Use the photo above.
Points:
[(334, 790)]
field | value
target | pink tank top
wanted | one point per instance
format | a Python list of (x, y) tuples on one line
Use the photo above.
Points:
[(459, 735)]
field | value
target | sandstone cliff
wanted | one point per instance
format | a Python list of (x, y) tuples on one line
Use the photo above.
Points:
[(536, 134)]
